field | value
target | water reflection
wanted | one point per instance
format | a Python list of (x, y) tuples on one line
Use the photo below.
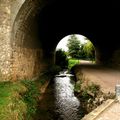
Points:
[(67, 105)]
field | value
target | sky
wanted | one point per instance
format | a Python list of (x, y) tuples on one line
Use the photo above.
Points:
[(63, 43)]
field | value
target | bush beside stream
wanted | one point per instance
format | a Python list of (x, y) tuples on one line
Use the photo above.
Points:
[(90, 95)]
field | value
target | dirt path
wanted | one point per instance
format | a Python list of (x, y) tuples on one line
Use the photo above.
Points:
[(106, 77)]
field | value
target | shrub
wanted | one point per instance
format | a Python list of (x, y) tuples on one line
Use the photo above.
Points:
[(61, 59)]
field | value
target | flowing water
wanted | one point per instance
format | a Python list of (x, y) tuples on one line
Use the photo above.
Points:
[(59, 102)]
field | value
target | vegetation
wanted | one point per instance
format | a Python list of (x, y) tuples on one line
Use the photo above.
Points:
[(19, 100), (90, 95), (72, 62), (89, 50), (76, 51), (61, 59), (73, 47), (12, 106), (80, 51), (31, 98)]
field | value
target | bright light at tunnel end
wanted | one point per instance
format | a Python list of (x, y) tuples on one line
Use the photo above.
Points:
[(63, 42)]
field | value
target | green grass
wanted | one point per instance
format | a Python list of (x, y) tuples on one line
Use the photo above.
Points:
[(31, 98), (12, 107), (72, 62), (18, 100)]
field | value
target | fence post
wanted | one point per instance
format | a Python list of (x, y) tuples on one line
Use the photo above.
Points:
[(117, 90)]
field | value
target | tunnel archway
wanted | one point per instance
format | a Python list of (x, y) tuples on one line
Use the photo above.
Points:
[(39, 25), (74, 49), (85, 48)]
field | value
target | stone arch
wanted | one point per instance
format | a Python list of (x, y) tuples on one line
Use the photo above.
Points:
[(27, 53), (37, 30)]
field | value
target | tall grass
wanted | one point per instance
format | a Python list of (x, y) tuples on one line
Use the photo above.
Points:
[(12, 107), (30, 98), (18, 100)]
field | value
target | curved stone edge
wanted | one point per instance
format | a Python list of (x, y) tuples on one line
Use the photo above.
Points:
[(95, 113)]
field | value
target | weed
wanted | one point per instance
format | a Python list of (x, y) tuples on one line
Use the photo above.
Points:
[(11, 105), (18, 100), (31, 98)]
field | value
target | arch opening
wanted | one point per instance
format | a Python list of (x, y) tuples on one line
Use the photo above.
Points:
[(39, 26), (74, 48)]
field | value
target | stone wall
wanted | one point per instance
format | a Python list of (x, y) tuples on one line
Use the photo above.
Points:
[(15, 7), (27, 63), (5, 48), (26, 44), (21, 53)]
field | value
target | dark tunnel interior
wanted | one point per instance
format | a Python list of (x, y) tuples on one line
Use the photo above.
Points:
[(41, 32)]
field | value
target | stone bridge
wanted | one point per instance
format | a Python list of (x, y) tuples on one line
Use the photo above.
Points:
[(31, 29)]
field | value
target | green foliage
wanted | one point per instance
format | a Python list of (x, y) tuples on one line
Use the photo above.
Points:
[(89, 50), (79, 50), (11, 105), (61, 59), (77, 87), (72, 62), (91, 90), (87, 95), (18, 100), (73, 46), (31, 98)]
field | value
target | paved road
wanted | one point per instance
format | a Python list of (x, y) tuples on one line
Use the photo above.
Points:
[(106, 77)]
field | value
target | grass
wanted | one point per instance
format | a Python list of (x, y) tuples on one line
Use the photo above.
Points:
[(31, 98), (72, 62), (18, 100), (12, 107)]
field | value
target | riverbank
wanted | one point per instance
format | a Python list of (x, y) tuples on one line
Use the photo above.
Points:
[(94, 85), (19, 100), (34, 100), (106, 77)]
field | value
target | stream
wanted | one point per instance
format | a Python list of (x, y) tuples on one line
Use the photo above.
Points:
[(59, 101)]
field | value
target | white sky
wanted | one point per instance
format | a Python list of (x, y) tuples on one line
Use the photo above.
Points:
[(63, 43)]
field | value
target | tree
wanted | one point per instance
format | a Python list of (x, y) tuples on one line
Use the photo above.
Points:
[(89, 50), (61, 59), (73, 46)]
